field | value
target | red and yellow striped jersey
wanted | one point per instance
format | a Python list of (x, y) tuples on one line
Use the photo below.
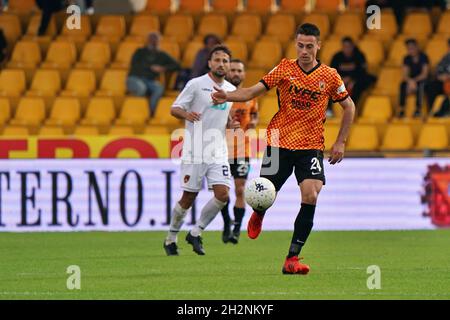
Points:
[(303, 99)]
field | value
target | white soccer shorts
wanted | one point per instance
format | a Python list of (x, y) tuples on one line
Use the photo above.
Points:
[(216, 174)]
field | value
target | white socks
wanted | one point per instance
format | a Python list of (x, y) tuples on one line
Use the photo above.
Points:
[(178, 215), (209, 212)]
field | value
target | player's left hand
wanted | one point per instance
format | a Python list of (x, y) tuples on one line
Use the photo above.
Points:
[(219, 97), (336, 153)]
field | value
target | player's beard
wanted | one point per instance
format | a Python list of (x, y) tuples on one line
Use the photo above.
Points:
[(219, 73), (235, 81)]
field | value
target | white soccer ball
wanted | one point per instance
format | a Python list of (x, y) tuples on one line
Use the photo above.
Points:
[(260, 194)]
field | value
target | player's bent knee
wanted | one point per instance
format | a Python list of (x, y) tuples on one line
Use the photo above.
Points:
[(310, 197)]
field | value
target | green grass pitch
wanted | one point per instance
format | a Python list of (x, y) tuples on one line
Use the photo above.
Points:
[(133, 265)]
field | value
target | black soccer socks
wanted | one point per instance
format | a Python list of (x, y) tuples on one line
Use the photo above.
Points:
[(302, 228)]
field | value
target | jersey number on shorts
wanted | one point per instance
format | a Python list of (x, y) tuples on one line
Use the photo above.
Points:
[(242, 169), (315, 166), (225, 171)]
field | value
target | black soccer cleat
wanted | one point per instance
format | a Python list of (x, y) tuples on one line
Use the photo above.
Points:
[(171, 249), (234, 239), (197, 244)]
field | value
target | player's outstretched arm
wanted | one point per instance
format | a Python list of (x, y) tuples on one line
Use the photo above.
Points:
[(239, 95), (337, 150)]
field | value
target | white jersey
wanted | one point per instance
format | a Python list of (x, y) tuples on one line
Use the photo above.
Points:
[(204, 140)]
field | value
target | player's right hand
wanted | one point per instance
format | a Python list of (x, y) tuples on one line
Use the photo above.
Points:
[(219, 97), (193, 116)]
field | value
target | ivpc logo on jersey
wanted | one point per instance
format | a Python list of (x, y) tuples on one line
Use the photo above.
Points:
[(74, 19)]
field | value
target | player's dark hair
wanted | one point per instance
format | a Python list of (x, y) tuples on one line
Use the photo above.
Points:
[(219, 47), (411, 41), (347, 39), (211, 36), (308, 29)]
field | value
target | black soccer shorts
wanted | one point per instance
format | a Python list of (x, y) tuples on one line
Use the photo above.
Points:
[(278, 164), (240, 168)]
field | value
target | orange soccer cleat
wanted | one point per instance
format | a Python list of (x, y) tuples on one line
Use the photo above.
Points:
[(254, 225), (293, 266)]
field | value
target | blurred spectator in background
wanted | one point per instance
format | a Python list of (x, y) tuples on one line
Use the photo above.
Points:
[(48, 7), (200, 66), (351, 66), (3, 46), (3, 5), (416, 71), (86, 6), (441, 85), (147, 64)]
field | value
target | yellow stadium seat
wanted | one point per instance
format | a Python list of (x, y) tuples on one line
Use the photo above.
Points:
[(291, 52), (252, 76), (22, 6), (51, 131), (30, 112), (247, 27), (180, 28), (281, 27), (363, 138), (348, 24), (100, 112), (110, 28), (329, 5), (5, 110), (388, 82), (171, 47), (65, 112), (417, 25), (86, 131), (293, 6), (46, 83), (15, 131), (190, 53), (266, 61), (238, 48), (142, 25), (192, 6), (377, 109), (124, 54), (33, 27), (60, 55), (374, 53), (213, 23), (268, 107), (230, 6), (135, 111), (113, 83), (329, 49), (436, 49), (397, 53), (12, 83), (159, 6), (437, 104), (356, 4), (330, 134), (398, 137), (433, 136), (388, 27), (26, 54), (260, 6), (95, 55), (162, 114), (156, 130), (121, 131), (443, 26), (81, 33), (80, 83), (10, 24)]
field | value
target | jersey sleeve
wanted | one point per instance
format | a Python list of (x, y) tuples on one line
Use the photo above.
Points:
[(338, 90), (271, 79), (185, 98)]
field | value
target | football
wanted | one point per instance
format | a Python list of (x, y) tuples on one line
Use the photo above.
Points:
[(260, 193)]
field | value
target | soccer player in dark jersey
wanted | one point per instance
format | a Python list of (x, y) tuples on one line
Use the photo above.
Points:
[(295, 139)]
